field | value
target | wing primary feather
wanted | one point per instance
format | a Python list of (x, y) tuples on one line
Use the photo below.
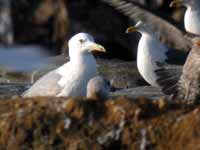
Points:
[(168, 78)]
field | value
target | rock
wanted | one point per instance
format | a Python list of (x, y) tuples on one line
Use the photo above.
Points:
[(10, 90), (119, 123), (141, 91), (122, 74)]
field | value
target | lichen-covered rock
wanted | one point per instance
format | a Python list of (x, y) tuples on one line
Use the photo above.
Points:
[(77, 123)]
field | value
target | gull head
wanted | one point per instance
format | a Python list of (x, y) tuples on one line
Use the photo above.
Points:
[(83, 43), (98, 88), (186, 3), (140, 26)]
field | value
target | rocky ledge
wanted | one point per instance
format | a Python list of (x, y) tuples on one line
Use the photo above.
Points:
[(120, 123)]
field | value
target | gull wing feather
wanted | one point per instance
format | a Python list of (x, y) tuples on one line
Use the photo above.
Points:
[(45, 86), (168, 78)]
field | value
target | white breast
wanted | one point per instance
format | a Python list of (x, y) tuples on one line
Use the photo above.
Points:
[(76, 76), (192, 21), (150, 51)]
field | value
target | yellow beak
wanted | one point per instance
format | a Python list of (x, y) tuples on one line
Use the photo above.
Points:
[(96, 47), (131, 29), (176, 3)]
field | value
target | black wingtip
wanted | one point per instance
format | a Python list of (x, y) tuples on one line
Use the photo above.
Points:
[(167, 79)]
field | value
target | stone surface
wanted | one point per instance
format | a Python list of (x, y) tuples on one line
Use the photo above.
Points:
[(140, 91), (121, 123)]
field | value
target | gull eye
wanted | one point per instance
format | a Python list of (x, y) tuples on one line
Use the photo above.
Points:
[(81, 41)]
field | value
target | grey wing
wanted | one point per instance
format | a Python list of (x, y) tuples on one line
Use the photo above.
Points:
[(168, 77), (168, 32), (45, 86)]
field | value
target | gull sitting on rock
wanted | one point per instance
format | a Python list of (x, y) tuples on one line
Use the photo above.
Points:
[(71, 78)]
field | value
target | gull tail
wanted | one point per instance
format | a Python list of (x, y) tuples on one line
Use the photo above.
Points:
[(168, 78)]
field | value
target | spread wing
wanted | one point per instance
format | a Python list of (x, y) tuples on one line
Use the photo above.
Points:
[(182, 82), (168, 78), (168, 32)]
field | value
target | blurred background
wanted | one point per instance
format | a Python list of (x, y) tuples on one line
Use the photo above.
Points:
[(50, 23), (33, 31)]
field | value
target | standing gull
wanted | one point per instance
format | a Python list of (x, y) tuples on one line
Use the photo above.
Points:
[(183, 85), (151, 52), (192, 14), (71, 78)]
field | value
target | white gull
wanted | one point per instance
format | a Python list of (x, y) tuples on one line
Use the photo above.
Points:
[(152, 53), (71, 78), (192, 14)]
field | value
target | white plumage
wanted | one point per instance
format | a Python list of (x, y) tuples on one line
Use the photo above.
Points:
[(71, 78), (150, 53), (192, 21), (75, 76), (192, 14)]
